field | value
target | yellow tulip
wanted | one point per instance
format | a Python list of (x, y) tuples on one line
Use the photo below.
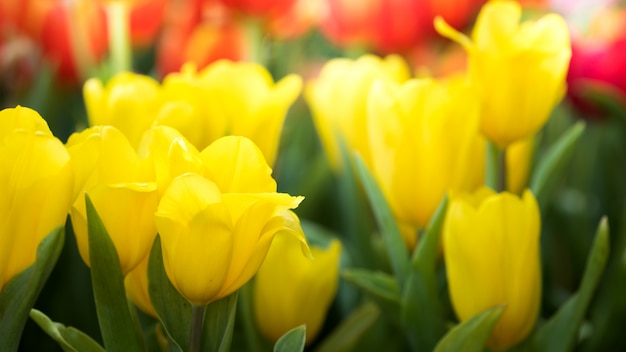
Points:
[(338, 100), (519, 157), (491, 247), (121, 188), (518, 69), (291, 290), (232, 98), (216, 230), (136, 284), (36, 181), (424, 142), (128, 101)]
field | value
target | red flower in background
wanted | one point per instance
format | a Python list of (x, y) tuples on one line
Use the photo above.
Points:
[(598, 64), (265, 8), (198, 31), (391, 25), (146, 19)]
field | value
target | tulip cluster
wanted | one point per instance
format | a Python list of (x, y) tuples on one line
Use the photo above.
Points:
[(435, 200)]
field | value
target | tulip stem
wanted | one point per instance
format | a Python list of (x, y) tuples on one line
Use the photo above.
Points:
[(119, 41), (496, 167), (195, 337), (502, 171)]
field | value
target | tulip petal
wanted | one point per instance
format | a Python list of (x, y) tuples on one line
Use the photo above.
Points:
[(237, 165)]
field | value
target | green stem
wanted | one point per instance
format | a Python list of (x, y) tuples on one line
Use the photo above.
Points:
[(195, 338), (119, 40), (495, 177), (255, 40)]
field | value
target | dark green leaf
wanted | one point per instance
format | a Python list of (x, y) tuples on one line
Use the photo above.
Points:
[(20, 293), (219, 321), (561, 331), (114, 317), (471, 335), (422, 312), (292, 341), (173, 310), (68, 338), (550, 167), (351, 330), (386, 222)]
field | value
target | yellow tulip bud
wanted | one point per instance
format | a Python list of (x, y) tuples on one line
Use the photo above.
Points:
[(232, 98), (424, 142), (136, 284), (518, 69), (128, 101), (491, 247), (216, 230), (338, 100), (519, 157), (36, 181), (121, 188), (291, 290)]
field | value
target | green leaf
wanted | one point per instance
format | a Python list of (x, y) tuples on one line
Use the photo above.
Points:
[(561, 331), (173, 310), (219, 322), (378, 284), (355, 213), (115, 319), (68, 338), (351, 329), (253, 340), (550, 167), (386, 222), (20, 293), (422, 311), (471, 335), (292, 341)]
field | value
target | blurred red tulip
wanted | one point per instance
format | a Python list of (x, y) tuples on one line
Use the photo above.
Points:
[(598, 64), (74, 38), (198, 31), (391, 25), (146, 18), (302, 16), (265, 8)]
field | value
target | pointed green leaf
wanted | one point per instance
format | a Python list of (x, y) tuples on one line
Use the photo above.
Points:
[(292, 341), (219, 322), (115, 319), (351, 330), (355, 213), (471, 335), (561, 331), (20, 293), (378, 284), (550, 167), (173, 310), (386, 222), (68, 338), (422, 311)]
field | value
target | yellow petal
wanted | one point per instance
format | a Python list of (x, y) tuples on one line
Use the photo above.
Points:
[(236, 164)]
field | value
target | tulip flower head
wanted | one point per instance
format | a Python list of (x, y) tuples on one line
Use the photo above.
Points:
[(291, 290), (491, 248), (36, 181), (121, 188), (424, 142), (216, 228), (338, 100), (518, 69)]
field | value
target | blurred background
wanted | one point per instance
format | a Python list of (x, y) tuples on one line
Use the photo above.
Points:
[(48, 48)]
